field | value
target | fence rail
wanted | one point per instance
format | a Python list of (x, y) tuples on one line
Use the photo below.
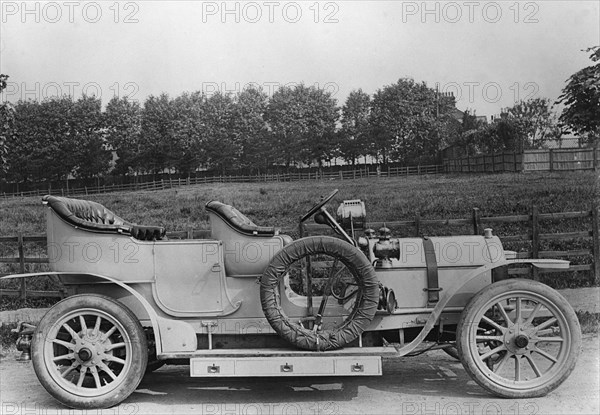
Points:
[(275, 177), (476, 222), (527, 161)]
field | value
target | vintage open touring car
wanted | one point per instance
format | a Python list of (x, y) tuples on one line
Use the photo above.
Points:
[(250, 301)]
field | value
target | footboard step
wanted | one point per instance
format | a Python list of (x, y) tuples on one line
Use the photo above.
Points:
[(315, 365)]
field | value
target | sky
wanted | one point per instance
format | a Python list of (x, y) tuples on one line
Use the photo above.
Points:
[(490, 54)]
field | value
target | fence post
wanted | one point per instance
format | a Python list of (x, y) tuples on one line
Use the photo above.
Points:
[(596, 242), (417, 225), (551, 159), (476, 221), (515, 161), (535, 238), (23, 293)]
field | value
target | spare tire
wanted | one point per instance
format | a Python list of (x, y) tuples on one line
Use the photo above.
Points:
[(356, 275)]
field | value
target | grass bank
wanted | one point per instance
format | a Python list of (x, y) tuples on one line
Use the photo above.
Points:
[(280, 204), (387, 199)]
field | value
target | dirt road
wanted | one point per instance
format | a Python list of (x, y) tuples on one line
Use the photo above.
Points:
[(431, 384)]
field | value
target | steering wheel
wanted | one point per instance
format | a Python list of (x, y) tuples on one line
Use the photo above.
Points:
[(318, 206)]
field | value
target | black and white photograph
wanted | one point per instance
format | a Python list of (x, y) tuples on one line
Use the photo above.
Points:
[(302, 207)]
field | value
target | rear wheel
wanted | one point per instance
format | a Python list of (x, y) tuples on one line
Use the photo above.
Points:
[(519, 339), (89, 351), (340, 280)]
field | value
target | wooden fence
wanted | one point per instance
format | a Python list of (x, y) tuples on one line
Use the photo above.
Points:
[(534, 236), (276, 177), (527, 161)]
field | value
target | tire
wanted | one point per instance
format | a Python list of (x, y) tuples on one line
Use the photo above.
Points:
[(103, 348), (356, 271), (154, 365), (452, 352), (518, 339)]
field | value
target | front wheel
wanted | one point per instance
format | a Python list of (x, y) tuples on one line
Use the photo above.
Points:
[(89, 352), (518, 339)]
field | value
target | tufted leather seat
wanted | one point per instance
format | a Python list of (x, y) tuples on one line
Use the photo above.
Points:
[(238, 221), (93, 216)]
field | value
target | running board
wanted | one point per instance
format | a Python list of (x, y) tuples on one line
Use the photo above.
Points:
[(356, 361)]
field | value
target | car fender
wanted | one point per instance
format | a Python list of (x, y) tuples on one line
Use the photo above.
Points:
[(171, 335), (447, 296)]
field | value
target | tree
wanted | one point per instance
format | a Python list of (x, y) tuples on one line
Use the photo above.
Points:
[(7, 119), (56, 139), (354, 134), (251, 130), (581, 97), (3, 83), (188, 129), (123, 119), (41, 146), (534, 123), (463, 134), (221, 145), (302, 121), (89, 150), (408, 121), (157, 134)]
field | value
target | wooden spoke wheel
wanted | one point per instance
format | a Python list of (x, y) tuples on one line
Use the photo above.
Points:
[(519, 339), (89, 351)]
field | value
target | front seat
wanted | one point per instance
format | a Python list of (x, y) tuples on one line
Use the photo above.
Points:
[(247, 247)]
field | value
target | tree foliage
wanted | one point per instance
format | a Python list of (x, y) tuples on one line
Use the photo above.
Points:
[(157, 134), (354, 134), (405, 122), (302, 121), (56, 139), (408, 121), (7, 119), (581, 97), (123, 119), (251, 131), (534, 123)]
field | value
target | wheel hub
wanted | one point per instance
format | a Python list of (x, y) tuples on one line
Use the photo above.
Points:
[(521, 341), (84, 354), (517, 339)]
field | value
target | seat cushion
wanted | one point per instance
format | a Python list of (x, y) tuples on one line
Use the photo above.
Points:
[(238, 221), (92, 216)]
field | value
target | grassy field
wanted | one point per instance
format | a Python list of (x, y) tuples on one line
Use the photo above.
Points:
[(386, 199)]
